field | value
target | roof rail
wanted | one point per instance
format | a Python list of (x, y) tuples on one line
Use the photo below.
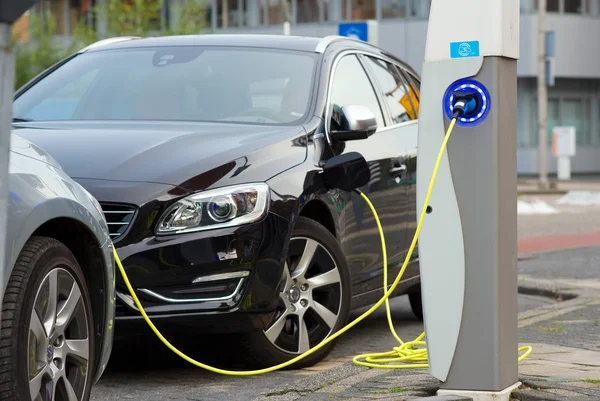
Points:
[(328, 40), (108, 42)]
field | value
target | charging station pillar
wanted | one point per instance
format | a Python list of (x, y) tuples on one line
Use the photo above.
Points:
[(468, 242)]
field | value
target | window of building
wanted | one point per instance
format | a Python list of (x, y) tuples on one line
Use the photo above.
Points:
[(230, 13), (576, 7), (594, 6), (275, 12), (363, 9), (562, 6), (394, 89), (565, 111), (394, 8), (573, 113), (553, 6), (351, 85), (309, 11), (528, 6), (334, 10), (420, 8)]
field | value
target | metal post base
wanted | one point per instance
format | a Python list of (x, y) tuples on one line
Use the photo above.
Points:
[(503, 395)]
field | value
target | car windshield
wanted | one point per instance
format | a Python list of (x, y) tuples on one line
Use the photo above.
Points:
[(245, 85)]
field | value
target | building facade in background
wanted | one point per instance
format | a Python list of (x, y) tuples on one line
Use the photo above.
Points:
[(574, 100)]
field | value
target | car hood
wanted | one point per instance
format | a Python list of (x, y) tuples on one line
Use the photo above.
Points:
[(25, 148), (178, 154)]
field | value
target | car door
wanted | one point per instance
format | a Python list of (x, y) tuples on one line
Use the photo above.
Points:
[(351, 85), (401, 140), (414, 88)]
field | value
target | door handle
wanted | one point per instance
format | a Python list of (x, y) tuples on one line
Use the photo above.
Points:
[(398, 171)]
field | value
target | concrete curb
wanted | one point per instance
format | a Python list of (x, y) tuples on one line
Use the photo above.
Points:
[(538, 289), (542, 192)]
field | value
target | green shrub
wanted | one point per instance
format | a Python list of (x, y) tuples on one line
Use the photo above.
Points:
[(124, 18), (40, 52)]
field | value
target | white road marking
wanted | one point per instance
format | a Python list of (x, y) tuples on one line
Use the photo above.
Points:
[(536, 206), (580, 198)]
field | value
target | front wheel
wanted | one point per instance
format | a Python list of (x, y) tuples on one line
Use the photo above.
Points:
[(314, 300), (46, 345)]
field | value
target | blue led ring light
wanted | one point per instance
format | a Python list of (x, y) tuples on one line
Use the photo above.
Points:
[(483, 102)]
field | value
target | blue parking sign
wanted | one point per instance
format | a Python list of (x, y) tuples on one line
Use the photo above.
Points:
[(356, 30)]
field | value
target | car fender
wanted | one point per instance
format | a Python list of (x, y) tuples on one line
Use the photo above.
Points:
[(42, 213), (40, 192)]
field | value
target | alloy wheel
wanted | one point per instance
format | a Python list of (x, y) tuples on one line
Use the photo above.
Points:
[(58, 345), (310, 298)]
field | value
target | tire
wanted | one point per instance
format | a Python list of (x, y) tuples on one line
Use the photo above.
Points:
[(416, 303), (258, 347), (46, 266)]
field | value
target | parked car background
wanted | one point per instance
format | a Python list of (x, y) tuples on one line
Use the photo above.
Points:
[(203, 153), (58, 307)]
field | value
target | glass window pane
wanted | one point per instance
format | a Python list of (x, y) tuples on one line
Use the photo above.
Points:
[(528, 6), (178, 84), (363, 9), (573, 115), (553, 6), (553, 120), (227, 13), (276, 11), (394, 8), (395, 90), (62, 104), (352, 86), (308, 11), (594, 6), (553, 117), (574, 7), (420, 8)]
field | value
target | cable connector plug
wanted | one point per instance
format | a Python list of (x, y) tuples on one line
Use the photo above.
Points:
[(465, 103)]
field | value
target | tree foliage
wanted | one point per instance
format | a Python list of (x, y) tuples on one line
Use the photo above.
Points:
[(123, 18)]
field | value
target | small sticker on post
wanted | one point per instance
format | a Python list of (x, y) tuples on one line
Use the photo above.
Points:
[(464, 49)]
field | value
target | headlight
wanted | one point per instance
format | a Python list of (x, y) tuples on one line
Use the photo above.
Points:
[(223, 207)]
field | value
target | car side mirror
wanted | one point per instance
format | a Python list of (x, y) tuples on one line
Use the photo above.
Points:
[(347, 172), (354, 122)]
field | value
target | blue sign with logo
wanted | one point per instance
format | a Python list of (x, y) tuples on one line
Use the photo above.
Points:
[(356, 30), (464, 49)]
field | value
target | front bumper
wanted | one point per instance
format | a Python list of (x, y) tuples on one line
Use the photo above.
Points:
[(223, 280)]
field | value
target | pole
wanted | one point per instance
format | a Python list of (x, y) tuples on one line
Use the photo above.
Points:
[(7, 77), (468, 242), (542, 98)]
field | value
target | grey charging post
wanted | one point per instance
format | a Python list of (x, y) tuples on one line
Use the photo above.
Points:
[(10, 11), (468, 242)]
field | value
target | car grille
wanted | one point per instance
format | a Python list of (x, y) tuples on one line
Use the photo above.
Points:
[(118, 217)]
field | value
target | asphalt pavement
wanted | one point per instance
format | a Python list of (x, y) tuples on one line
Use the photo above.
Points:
[(144, 369)]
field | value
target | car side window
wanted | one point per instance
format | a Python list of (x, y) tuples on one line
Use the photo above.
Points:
[(351, 85), (394, 90), (415, 88)]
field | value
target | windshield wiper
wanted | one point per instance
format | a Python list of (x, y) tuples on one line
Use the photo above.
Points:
[(21, 120)]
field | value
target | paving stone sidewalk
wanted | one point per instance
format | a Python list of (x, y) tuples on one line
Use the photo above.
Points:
[(565, 336), (551, 372)]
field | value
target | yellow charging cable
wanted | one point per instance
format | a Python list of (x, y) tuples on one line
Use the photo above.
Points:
[(407, 352)]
